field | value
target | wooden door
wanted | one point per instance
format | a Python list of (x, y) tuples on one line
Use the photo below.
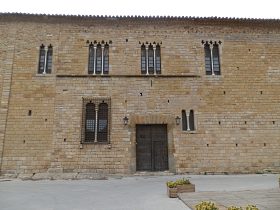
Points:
[(151, 148)]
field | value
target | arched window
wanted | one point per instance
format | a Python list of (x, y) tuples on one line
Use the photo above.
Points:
[(45, 60), (212, 57), (158, 61), (91, 59), (96, 123), (49, 59), (143, 59), (208, 60), (42, 55), (151, 59), (188, 123), (216, 59), (184, 121), (102, 135), (90, 123), (98, 59), (106, 59), (191, 120)]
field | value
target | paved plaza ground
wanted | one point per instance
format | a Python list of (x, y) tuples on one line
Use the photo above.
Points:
[(235, 190), (138, 193)]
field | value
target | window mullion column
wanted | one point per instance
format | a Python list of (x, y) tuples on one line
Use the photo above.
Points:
[(94, 60), (154, 48), (45, 62), (96, 123), (102, 59), (188, 122), (211, 59), (147, 60)]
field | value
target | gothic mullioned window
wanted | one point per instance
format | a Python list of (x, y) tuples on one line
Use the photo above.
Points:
[(212, 57), (188, 123), (96, 120), (98, 61), (45, 59), (150, 59), (143, 59)]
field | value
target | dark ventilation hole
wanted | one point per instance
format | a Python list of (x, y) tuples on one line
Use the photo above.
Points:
[(219, 122), (64, 139), (245, 122), (261, 92), (273, 122), (24, 141), (29, 112), (264, 144), (249, 50), (168, 101), (126, 40), (125, 101), (224, 92), (46, 120), (207, 145), (34, 174), (237, 67), (236, 145), (141, 94)]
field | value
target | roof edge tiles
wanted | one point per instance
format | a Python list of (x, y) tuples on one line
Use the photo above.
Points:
[(64, 17)]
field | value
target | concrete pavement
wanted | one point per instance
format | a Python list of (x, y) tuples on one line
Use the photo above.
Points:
[(128, 193), (235, 190)]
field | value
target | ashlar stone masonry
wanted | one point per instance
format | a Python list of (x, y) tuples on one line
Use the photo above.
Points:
[(179, 116)]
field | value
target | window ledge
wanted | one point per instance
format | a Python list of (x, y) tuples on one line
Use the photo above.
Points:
[(133, 76), (190, 132), (95, 143), (44, 75)]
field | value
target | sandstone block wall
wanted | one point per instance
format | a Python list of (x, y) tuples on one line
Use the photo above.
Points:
[(236, 113)]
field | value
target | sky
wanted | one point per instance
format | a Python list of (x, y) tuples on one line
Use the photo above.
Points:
[(268, 9)]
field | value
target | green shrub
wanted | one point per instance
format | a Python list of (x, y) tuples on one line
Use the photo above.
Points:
[(206, 205), (173, 184), (251, 207)]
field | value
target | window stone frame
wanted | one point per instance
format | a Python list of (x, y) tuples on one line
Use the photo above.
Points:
[(96, 101)]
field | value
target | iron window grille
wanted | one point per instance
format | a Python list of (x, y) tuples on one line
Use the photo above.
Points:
[(188, 123), (45, 59), (98, 61), (96, 120), (212, 57), (150, 59)]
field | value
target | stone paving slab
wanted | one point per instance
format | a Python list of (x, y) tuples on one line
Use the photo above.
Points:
[(263, 199)]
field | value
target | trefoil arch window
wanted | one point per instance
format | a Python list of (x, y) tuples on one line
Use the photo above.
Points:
[(98, 61), (95, 120), (45, 59), (150, 58), (212, 57), (188, 122)]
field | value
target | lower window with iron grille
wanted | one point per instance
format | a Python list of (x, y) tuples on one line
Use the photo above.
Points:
[(96, 120)]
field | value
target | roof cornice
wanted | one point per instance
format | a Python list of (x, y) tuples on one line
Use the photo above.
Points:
[(166, 19)]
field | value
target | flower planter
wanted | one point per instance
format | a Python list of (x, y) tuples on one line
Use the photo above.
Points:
[(179, 186), (173, 192), (185, 188)]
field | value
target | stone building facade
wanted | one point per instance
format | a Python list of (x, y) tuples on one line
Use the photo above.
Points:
[(117, 95)]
